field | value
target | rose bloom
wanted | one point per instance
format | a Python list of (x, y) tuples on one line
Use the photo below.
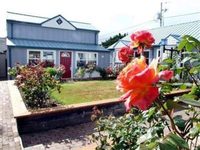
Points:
[(142, 39), (138, 81), (125, 54)]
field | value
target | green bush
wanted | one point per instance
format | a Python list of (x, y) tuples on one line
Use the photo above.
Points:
[(35, 83), (102, 72), (130, 131), (51, 71)]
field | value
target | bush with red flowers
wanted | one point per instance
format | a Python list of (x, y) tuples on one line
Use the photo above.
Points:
[(35, 83)]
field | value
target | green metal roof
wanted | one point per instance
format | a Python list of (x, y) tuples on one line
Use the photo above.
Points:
[(189, 28), (54, 45)]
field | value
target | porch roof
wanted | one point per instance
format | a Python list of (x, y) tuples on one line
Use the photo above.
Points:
[(54, 45)]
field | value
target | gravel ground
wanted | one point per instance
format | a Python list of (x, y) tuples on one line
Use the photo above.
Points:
[(72, 138)]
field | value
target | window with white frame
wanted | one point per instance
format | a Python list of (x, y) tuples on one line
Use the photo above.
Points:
[(146, 55), (36, 56), (85, 58)]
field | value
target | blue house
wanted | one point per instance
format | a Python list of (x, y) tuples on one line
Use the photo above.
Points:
[(73, 44), (166, 37)]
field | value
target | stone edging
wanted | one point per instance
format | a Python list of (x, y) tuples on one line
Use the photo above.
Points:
[(18, 105)]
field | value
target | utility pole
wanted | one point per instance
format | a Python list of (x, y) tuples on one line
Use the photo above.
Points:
[(161, 14)]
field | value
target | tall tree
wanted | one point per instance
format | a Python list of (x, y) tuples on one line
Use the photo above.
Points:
[(113, 39)]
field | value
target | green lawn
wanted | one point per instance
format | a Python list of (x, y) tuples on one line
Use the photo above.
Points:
[(85, 91)]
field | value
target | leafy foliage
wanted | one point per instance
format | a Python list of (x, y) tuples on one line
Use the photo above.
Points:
[(112, 40), (159, 127), (35, 82)]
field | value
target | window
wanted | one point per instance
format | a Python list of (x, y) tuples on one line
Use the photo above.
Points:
[(36, 56), (48, 56), (85, 58), (146, 55)]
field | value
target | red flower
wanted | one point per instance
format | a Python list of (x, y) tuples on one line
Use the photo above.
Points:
[(125, 54), (138, 81), (166, 75), (142, 40)]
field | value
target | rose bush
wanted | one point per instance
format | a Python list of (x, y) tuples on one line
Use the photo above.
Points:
[(151, 121)]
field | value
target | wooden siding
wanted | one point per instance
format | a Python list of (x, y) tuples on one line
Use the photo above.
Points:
[(18, 55)]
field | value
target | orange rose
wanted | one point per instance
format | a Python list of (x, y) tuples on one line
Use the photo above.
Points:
[(138, 81)]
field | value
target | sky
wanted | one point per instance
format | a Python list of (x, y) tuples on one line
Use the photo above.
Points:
[(109, 16)]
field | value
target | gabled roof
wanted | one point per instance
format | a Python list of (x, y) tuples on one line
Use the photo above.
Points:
[(120, 43), (39, 20), (54, 45), (58, 22), (189, 28)]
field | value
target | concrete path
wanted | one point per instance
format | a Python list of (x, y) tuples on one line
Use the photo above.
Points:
[(9, 137)]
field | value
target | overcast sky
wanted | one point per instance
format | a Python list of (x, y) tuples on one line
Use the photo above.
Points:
[(107, 15)]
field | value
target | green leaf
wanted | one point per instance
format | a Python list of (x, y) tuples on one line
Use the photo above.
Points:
[(171, 104), (150, 146), (186, 59), (168, 60), (179, 70), (190, 102), (178, 141), (182, 44), (195, 130), (194, 70), (189, 47), (183, 87), (167, 146), (178, 120)]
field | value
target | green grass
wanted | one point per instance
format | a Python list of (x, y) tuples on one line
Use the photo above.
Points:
[(85, 91)]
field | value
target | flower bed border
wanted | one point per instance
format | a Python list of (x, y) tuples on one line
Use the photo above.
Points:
[(57, 117)]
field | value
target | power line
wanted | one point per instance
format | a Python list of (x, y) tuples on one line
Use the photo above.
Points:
[(129, 27), (183, 15), (146, 23)]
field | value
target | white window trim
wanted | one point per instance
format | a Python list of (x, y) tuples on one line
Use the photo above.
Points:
[(41, 54), (86, 53)]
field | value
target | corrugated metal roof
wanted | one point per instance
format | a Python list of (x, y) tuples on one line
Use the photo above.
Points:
[(53, 45), (38, 20), (189, 28), (119, 44)]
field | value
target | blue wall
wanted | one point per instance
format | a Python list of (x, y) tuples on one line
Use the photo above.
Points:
[(37, 32)]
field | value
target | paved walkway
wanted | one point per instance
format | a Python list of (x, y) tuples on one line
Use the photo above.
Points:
[(9, 138), (76, 137)]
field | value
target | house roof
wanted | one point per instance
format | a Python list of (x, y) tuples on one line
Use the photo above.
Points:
[(39, 20), (178, 30), (54, 45), (120, 43)]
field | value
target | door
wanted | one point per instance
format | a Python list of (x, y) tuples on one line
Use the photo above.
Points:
[(65, 59), (3, 66)]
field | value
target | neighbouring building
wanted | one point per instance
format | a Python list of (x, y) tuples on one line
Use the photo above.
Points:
[(3, 60), (166, 37), (57, 40)]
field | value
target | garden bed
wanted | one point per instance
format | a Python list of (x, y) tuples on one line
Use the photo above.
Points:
[(56, 117)]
